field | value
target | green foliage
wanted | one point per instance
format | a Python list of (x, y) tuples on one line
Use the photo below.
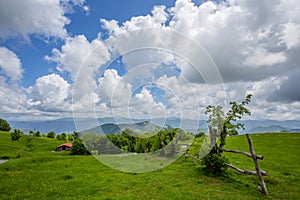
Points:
[(64, 136), (78, 148), (51, 134), (70, 137), (76, 135), (199, 135), (16, 135), (220, 121), (28, 147), (225, 124), (197, 144), (58, 136), (214, 163), (38, 134), (4, 125), (31, 133), (135, 142)]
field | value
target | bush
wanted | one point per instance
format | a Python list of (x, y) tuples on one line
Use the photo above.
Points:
[(51, 135), (4, 125), (78, 148), (214, 164), (200, 134), (58, 137), (38, 134), (16, 135), (63, 136)]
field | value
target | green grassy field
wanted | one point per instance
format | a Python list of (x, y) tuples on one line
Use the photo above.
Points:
[(42, 174)]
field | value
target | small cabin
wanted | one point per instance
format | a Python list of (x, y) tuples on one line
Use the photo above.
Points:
[(64, 147)]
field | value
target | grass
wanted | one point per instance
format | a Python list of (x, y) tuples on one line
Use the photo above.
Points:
[(42, 174)]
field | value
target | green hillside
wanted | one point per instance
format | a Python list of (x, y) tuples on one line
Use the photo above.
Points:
[(42, 174)]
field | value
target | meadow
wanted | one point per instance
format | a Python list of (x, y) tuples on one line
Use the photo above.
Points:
[(43, 174)]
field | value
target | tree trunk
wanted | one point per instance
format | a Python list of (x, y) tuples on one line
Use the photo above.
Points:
[(213, 139)]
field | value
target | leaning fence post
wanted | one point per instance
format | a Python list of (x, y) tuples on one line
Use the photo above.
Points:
[(262, 187)]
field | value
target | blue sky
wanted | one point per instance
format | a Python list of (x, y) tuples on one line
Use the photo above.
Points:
[(57, 58), (32, 52)]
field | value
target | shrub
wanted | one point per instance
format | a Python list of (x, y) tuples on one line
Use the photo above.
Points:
[(51, 134), (4, 125), (38, 134), (78, 148), (16, 135), (214, 164)]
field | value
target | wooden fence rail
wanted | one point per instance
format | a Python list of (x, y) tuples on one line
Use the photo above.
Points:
[(262, 187)]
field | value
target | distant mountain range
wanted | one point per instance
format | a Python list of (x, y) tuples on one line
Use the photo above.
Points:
[(116, 128), (113, 125)]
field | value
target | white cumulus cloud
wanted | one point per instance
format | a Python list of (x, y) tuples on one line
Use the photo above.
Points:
[(50, 93), (46, 18), (10, 64)]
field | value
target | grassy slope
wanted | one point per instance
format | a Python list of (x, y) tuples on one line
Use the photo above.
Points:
[(47, 175)]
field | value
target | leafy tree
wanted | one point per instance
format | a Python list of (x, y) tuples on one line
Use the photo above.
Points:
[(70, 137), (224, 125), (200, 134), (31, 133), (76, 135), (16, 135), (78, 148), (58, 136), (63, 136), (38, 134), (51, 134), (4, 125)]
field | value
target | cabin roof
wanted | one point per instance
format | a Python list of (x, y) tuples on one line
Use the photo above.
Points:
[(68, 144)]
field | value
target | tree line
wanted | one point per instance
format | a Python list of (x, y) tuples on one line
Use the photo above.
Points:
[(166, 140)]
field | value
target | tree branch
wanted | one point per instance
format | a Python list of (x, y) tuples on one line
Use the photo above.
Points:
[(246, 171), (242, 152)]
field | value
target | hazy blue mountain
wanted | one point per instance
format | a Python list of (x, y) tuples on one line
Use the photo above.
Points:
[(68, 125), (272, 128), (60, 125), (109, 128)]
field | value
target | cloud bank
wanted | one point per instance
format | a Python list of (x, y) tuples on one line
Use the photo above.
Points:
[(255, 45)]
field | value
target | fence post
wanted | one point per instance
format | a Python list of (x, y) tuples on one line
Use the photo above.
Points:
[(262, 187)]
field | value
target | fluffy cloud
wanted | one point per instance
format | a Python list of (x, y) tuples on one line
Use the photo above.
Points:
[(248, 40), (113, 90), (79, 54), (144, 105), (157, 19), (50, 93), (12, 99), (10, 64), (82, 60), (45, 17), (254, 44)]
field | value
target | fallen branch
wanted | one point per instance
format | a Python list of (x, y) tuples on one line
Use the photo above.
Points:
[(244, 153), (246, 171)]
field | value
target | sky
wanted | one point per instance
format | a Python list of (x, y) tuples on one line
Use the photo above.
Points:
[(148, 59)]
